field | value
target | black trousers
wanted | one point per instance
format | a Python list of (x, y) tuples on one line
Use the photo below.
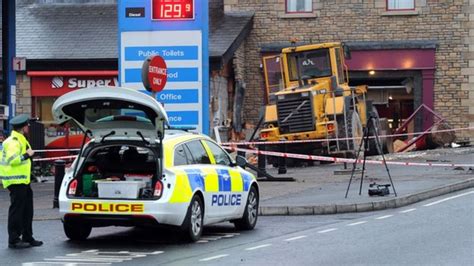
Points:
[(20, 213)]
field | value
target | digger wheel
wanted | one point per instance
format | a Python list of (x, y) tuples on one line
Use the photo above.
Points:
[(354, 130), (374, 149)]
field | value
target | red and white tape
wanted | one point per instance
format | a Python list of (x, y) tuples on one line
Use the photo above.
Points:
[(343, 160), (339, 139), (54, 158), (56, 150)]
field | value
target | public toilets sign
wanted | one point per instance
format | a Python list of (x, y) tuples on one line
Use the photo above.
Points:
[(176, 30)]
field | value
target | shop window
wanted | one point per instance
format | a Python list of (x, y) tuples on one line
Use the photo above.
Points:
[(395, 5), (299, 6), (45, 105), (52, 130)]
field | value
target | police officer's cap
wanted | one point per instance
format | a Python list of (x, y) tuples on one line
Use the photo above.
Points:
[(20, 120)]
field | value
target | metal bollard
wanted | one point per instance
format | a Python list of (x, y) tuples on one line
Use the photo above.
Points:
[(262, 161), (59, 166), (282, 160)]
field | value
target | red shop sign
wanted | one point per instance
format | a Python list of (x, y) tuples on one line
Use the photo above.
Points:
[(59, 85)]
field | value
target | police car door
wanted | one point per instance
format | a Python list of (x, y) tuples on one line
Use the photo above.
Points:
[(230, 197), (208, 177)]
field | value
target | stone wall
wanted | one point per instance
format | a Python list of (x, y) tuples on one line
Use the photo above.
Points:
[(467, 88), (447, 22), (239, 63)]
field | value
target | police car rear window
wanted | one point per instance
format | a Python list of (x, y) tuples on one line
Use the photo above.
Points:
[(182, 156)]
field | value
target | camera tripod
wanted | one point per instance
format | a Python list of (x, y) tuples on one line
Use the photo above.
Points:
[(365, 142)]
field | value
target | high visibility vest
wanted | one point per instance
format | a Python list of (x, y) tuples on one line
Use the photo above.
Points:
[(14, 170)]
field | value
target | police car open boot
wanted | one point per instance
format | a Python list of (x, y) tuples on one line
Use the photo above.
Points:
[(116, 172)]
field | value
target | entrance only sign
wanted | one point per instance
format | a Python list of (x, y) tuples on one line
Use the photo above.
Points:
[(154, 73)]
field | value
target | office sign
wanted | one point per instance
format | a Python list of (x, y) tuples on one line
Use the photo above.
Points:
[(177, 31)]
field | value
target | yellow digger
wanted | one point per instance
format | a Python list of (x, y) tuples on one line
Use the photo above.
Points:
[(309, 98)]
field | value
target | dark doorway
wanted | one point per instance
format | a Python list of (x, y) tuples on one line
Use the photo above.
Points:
[(394, 93)]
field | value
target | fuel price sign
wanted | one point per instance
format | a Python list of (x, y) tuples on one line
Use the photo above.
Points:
[(175, 32), (172, 9)]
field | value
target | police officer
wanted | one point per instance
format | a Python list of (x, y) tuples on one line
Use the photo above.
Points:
[(15, 172)]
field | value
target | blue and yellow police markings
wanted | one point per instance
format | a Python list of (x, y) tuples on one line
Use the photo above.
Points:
[(221, 181), (182, 192), (196, 178)]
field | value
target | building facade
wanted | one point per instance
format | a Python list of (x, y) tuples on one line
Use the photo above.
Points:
[(72, 44), (424, 42), (421, 51)]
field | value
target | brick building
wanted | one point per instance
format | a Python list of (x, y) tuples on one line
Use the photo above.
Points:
[(423, 43), (427, 43)]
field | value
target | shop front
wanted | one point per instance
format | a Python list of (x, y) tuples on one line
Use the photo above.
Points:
[(47, 86), (400, 76)]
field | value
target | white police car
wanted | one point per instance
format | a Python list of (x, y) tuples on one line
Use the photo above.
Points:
[(132, 172)]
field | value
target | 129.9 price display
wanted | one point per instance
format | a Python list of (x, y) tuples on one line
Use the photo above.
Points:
[(172, 9)]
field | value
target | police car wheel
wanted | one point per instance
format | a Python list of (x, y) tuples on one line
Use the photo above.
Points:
[(194, 220), (75, 231), (249, 219)]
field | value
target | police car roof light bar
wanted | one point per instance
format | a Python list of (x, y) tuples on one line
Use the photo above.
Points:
[(183, 128)]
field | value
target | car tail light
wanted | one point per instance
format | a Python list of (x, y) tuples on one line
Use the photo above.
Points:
[(330, 127), (72, 188), (158, 189)]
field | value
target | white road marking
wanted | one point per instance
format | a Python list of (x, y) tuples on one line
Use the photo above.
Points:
[(60, 263), (214, 257), (327, 230), (96, 257), (295, 238), (121, 257), (409, 210), (357, 223), (106, 255), (211, 238), (384, 217), (257, 247), (236, 234), (131, 253), (155, 252), (84, 259), (450, 198), (202, 241)]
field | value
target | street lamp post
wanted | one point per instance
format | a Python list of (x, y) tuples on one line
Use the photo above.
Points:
[(8, 53)]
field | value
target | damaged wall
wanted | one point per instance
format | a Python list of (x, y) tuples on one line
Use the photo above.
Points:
[(449, 23)]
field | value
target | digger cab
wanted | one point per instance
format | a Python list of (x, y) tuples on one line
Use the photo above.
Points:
[(306, 66)]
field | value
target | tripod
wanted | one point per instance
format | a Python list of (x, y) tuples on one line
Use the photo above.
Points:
[(365, 138)]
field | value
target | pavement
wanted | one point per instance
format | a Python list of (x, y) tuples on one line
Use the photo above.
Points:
[(321, 189)]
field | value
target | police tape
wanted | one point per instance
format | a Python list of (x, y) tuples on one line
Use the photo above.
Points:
[(341, 139), (342, 160), (56, 150), (54, 158)]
